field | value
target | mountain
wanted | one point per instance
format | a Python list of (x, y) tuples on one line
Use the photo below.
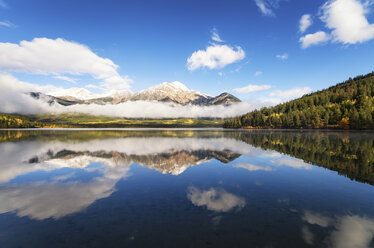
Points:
[(174, 92), (169, 92), (73, 94), (348, 105)]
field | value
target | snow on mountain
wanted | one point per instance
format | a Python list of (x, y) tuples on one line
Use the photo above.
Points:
[(172, 92), (77, 93)]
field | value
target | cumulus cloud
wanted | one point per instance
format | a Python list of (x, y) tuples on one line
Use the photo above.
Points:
[(347, 20), (54, 57), (283, 56), (215, 57), (314, 39), (252, 88), (305, 22), (217, 200), (13, 98)]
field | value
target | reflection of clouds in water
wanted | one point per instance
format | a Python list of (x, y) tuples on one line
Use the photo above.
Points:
[(307, 235), (217, 200), (353, 231), (292, 162), (22, 152), (51, 200), (350, 231), (252, 167), (316, 219), (55, 199), (272, 154)]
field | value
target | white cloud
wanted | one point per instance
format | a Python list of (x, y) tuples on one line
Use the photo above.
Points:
[(282, 56), (6, 24), (267, 6), (305, 22), (252, 88), (67, 79), (290, 94), (217, 200), (263, 7), (215, 56), (314, 39), (279, 96), (258, 73), (216, 37), (347, 19), (220, 74), (53, 57)]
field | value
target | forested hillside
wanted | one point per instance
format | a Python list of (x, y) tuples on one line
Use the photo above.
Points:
[(348, 105)]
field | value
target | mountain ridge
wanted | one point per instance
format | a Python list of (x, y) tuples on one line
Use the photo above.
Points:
[(174, 93)]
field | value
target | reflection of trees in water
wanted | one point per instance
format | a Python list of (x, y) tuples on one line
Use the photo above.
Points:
[(350, 154)]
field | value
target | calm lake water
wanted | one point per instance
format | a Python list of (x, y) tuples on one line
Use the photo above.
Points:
[(186, 188)]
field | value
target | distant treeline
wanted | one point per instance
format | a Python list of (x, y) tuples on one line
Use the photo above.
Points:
[(16, 121), (93, 121), (348, 105)]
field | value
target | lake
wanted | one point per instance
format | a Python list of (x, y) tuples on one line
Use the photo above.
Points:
[(186, 188)]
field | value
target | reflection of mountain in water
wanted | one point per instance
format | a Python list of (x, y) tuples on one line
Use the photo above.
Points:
[(173, 162)]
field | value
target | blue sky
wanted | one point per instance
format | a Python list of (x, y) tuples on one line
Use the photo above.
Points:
[(151, 42)]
